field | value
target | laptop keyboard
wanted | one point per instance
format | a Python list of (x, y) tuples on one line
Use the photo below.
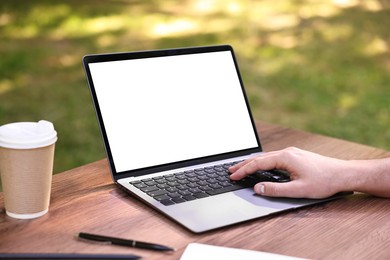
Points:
[(199, 183)]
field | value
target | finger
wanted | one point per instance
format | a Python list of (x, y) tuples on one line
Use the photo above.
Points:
[(235, 167), (287, 189), (259, 163)]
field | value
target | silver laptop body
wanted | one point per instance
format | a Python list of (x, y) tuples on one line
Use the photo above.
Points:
[(164, 112)]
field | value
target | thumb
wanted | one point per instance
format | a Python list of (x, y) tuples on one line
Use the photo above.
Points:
[(273, 189)]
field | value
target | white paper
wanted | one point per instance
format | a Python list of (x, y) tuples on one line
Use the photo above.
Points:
[(196, 251)]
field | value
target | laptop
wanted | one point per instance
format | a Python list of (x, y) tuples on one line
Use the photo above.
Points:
[(173, 121)]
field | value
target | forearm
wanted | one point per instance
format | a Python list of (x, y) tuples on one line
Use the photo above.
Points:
[(369, 176)]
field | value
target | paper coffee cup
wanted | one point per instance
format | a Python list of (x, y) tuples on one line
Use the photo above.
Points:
[(26, 167)]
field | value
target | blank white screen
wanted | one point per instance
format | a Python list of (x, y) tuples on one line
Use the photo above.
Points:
[(169, 109)]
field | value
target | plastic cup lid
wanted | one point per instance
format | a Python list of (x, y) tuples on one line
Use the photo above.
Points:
[(27, 135)]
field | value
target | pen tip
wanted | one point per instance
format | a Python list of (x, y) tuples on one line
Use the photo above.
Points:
[(165, 248), (161, 248)]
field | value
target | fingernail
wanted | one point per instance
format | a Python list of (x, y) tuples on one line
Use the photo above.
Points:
[(260, 189)]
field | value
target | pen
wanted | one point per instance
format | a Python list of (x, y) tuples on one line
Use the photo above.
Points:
[(48, 256), (124, 242)]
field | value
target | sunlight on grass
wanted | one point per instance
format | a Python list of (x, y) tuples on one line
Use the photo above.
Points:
[(377, 46), (384, 119), (175, 28), (212, 6), (106, 40), (185, 27), (75, 26), (318, 9), (234, 8), (281, 21), (344, 31), (5, 19), (68, 60), (322, 66), (347, 102), (346, 3), (285, 41), (30, 25), (5, 86), (372, 5), (190, 21), (104, 24), (43, 15), (27, 31)]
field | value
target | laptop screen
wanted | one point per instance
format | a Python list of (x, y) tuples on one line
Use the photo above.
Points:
[(162, 110)]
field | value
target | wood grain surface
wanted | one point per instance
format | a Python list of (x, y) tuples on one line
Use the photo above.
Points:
[(86, 200)]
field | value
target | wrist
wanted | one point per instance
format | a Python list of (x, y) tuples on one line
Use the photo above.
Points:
[(356, 174), (368, 176)]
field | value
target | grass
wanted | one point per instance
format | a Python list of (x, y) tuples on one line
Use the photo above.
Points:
[(320, 66)]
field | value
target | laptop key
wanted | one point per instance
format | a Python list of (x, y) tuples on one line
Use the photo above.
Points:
[(205, 188), (162, 197), (140, 185), (219, 168), (150, 183), (191, 175), (149, 189), (181, 177), (178, 200), (171, 179), (174, 195), (172, 189), (212, 181), (223, 173), (203, 177), (225, 183), (215, 186), (203, 183), (193, 179), (189, 197), (225, 189), (163, 186), (161, 181), (193, 185), (185, 181), (194, 190), (201, 173), (184, 192), (182, 187), (155, 193), (173, 183), (167, 202), (200, 195)]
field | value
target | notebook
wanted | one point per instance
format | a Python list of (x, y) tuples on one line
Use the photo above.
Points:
[(172, 122)]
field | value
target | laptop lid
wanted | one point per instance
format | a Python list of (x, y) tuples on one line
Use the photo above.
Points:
[(164, 109)]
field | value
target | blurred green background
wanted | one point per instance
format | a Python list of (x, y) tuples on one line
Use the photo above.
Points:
[(321, 66)]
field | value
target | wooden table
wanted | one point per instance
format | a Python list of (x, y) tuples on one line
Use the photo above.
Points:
[(85, 199)]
